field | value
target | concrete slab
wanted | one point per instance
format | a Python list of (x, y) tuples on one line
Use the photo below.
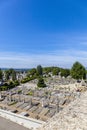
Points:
[(9, 125)]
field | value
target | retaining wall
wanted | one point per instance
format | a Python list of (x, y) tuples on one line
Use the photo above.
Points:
[(25, 121)]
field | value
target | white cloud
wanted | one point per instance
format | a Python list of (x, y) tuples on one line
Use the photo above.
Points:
[(64, 58)]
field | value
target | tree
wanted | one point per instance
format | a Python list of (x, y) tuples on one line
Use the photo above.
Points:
[(16, 83), (1, 74), (11, 85), (41, 83), (47, 70), (39, 70), (56, 71), (65, 72), (10, 72), (32, 72), (78, 71), (13, 75), (7, 74)]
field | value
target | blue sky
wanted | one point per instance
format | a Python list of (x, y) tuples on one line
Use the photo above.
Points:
[(46, 32)]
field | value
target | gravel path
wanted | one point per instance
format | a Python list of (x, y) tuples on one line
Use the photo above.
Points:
[(8, 125)]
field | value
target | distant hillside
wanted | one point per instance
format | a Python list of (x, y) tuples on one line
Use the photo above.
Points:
[(17, 69)]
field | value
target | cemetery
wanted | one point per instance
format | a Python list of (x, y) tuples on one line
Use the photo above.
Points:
[(42, 103)]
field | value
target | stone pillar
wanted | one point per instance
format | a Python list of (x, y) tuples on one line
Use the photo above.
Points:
[(30, 102), (42, 103), (57, 105), (24, 100), (10, 99), (7, 98), (0, 95), (19, 99)]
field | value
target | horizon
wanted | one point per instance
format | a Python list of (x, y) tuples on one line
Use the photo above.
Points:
[(47, 32), (6, 68)]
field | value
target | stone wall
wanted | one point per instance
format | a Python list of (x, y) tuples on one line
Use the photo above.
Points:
[(26, 122)]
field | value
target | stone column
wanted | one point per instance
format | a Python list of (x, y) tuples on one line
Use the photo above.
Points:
[(30, 102), (19, 99), (57, 105), (0, 95)]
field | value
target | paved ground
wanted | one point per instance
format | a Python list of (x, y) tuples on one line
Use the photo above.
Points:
[(8, 125)]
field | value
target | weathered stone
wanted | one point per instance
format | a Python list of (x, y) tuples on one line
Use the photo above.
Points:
[(73, 117)]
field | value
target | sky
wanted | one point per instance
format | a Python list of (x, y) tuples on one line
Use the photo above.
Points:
[(45, 32)]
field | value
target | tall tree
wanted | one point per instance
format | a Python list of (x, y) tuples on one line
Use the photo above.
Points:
[(39, 70), (65, 72), (78, 71), (1, 74), (55, 71), (13, 75), (7, 74), (10, 72), (41, 83)]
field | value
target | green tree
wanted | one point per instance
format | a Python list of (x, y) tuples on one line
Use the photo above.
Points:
[(55, 71), (65, 72), (41, 83), (1, 75), (16, 83), (10, 72), (7, 74), (46, 70), (78, 71), (13, 73), (32, 72), (39, 70), (11, 85)]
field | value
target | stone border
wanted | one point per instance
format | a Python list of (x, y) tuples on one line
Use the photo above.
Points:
[(26, 122)]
